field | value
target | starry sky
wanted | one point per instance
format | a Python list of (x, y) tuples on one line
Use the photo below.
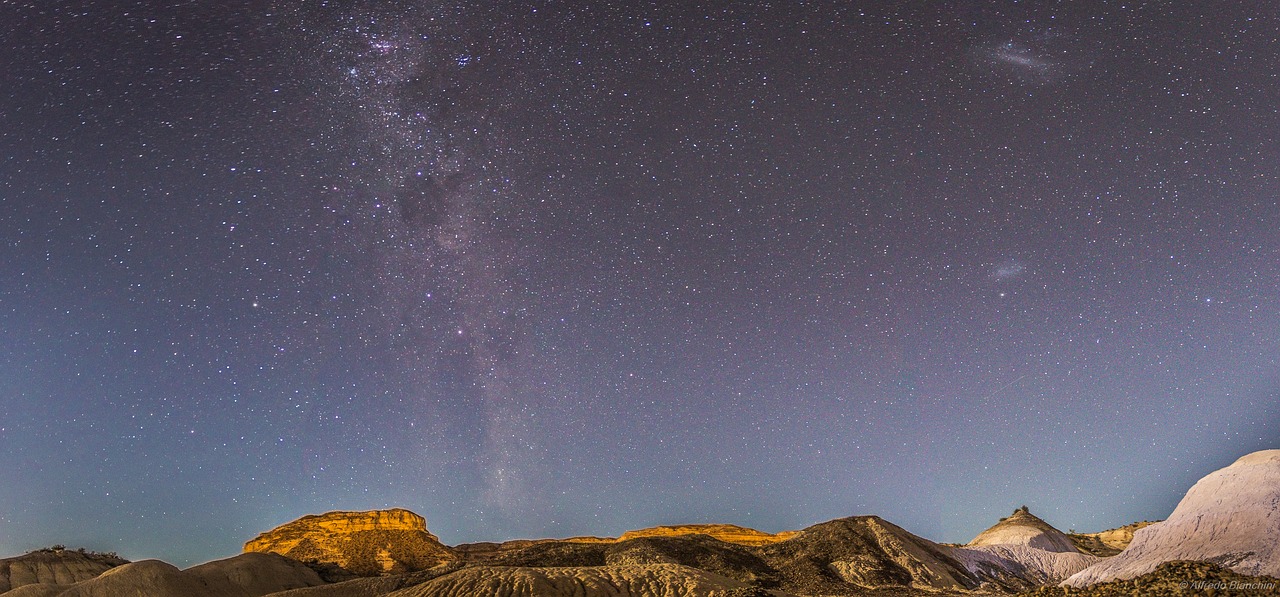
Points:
[(540, 269)]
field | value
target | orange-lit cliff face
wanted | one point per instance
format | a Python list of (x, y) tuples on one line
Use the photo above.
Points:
[(341, 522), (365, 543), (729, 533), (1109, 542)]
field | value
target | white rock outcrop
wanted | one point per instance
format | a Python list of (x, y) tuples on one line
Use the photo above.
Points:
[(1008, 564), (1022, 550), (1231, 517)]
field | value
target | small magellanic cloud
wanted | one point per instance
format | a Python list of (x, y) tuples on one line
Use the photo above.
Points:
[(1007, 269)]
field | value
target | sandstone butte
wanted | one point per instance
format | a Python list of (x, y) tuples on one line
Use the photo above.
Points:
[(1119, 538), (368, 543), (729, 533)]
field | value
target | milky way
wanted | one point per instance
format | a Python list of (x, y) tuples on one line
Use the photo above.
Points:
[(433, 200)]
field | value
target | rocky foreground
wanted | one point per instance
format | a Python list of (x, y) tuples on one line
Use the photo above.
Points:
[(1229, 523), (1174, 579)]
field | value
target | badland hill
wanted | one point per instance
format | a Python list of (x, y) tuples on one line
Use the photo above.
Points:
[(55, 565)]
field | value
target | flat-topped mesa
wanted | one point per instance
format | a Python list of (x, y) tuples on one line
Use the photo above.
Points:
[(396, 519), (366, 543), (729, 533)]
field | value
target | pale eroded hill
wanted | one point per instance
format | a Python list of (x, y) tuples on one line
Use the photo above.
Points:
[(1230, 517), (54, 566)]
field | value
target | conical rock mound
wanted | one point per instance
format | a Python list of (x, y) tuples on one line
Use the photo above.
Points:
[(867, 552), (1025, 528), (1022, 551), (1231, 518)]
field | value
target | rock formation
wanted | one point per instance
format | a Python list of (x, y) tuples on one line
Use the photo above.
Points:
[(365, 543), (841, 557), (696, 551), (863, 552), (730, 533), (837, 557), (1109, 542), (485, 551), (54, 566), (1230, 517), (246, 575), (255, 574), (1024, 528), (1022, 551)]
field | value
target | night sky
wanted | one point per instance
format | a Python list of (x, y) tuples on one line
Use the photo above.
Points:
[(559, 268)]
